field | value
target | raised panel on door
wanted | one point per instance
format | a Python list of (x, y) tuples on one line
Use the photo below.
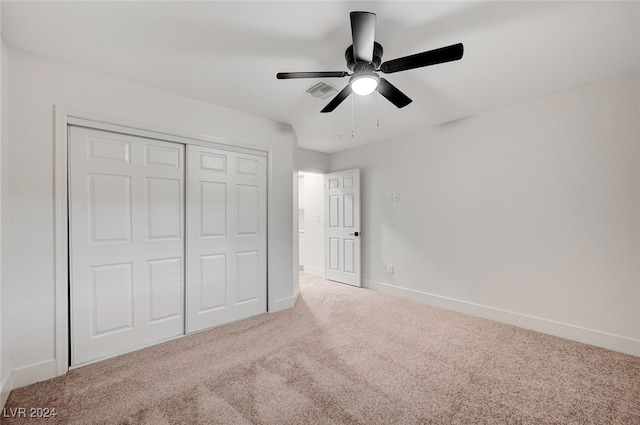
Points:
[(334, 211), (110, 207), (348, 211), (164, 156), (165, 289), (342, 232), (248, 276), (111, 298), (334, 254), (248, 209), (109, 149), (247, 166), (226, 244), (211, 279), (126, 220), (164, 208), (349, 255), (213, 209), (212, 162)]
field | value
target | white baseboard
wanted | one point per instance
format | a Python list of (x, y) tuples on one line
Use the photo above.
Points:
[(371, 284), (5, 390), (33, 373), (316, 271), (563, 330), (285, 303)]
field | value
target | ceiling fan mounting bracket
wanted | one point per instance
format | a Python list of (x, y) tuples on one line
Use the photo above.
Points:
[(354, 65)]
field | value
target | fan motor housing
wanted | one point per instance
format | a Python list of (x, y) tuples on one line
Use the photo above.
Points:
[(352, 64)]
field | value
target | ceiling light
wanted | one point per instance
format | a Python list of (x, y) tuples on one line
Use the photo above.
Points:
[(364, 83)]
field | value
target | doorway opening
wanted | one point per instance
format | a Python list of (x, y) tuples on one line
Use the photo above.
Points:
[(311, 226)]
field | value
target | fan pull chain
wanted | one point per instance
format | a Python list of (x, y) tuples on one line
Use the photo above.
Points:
[(352, 120), (377, 109)]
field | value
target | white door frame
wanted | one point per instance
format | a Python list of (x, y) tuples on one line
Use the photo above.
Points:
[(62, 117)]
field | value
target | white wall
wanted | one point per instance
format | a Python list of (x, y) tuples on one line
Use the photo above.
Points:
[(528, 214), (309, 160), (37, 84), (5, 368), (312, 241)]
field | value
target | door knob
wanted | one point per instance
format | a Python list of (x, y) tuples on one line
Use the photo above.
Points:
[(354, 234)]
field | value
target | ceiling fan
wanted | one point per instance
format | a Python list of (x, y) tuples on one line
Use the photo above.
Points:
[(364, 58)]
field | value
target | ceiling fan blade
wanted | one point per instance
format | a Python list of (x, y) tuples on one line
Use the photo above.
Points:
[(337, 100), (431, 57), (363, 32), (291, 75), (392, 94)]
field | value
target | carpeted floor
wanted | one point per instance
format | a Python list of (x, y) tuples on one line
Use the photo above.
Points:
[(349, 356)]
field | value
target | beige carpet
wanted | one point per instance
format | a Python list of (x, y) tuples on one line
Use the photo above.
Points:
[(350, 356)]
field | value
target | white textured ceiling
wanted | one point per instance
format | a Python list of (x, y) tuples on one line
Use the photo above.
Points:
[(228, 53)]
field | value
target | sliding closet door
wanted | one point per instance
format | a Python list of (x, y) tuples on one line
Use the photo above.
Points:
[(226, 237), (126, 209)]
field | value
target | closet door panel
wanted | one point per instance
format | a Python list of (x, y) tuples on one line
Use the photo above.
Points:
[(226, 237), (126, 212)]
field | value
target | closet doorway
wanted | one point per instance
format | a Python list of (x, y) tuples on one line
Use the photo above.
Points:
[(166, 237)]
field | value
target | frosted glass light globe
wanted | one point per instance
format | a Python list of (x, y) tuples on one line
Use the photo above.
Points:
[(364, 84)]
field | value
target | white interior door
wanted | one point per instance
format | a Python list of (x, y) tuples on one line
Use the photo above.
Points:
[(342, 203), (126, 206), (227, 237)]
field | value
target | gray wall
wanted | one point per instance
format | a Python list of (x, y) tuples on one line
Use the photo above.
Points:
[(527, 214)]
